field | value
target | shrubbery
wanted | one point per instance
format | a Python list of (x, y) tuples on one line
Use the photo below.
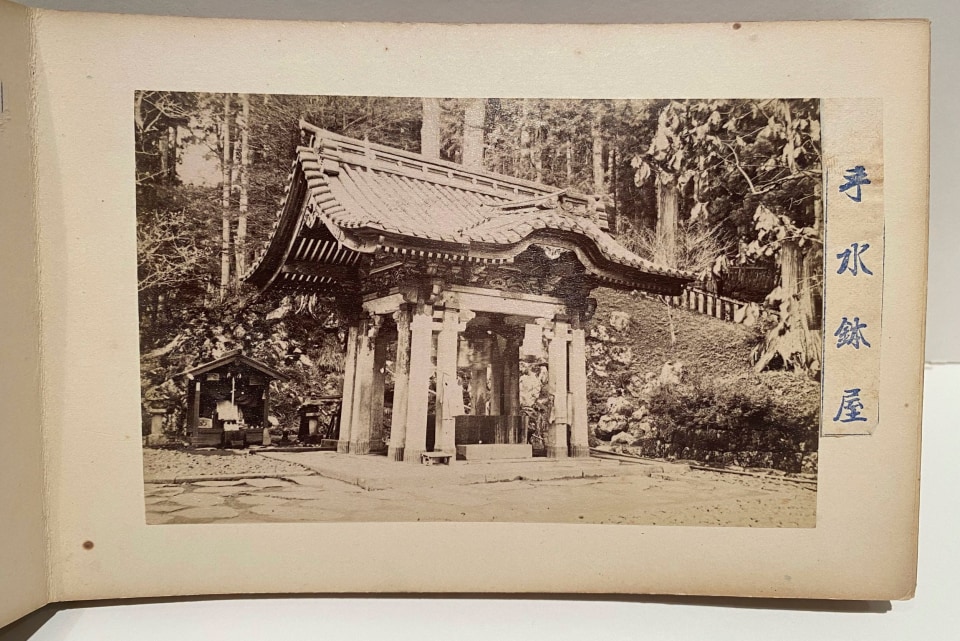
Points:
[(709, 404), (740, 421)]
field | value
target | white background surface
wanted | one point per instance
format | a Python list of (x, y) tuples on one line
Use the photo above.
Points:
[(932, 615)]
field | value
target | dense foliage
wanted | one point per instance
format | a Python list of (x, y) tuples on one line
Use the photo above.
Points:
[(740, 421)]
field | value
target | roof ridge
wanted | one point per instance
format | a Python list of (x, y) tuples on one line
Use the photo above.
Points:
[(536, 201), (445, 165)]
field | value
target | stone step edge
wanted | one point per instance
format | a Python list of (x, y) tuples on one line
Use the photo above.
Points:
[(225, 477)]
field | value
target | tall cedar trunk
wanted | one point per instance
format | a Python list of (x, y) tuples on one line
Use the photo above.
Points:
[(138, 111), (568, 152), (667, 216), (241, 239), (473, 119), (805, 291), (164, 154), (174, 149), (799, 279), (537, 154), (430, 128), (811, 269), (596, 133), (790, 277), (795, 338), (234, 188), (225, 166), (611, 159), (612, 188), (152, 295), (525, 164), (795, 277)]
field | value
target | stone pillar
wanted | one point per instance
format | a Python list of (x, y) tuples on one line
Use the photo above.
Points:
[(346, 400), (511, 377), (448, 343), (377, 391), (401, 385), (156, 421), (156, 436), (496, 377), (557, 387), (577, 365), (195, 413), (265, 398), (361, 415), (479, 387), (418, 389)]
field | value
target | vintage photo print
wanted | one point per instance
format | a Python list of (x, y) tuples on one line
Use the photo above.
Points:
[(362, 308)]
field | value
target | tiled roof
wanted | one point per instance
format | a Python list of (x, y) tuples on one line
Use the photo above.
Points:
[(234, 356), (515, 227), (405, 205), (370, 196)]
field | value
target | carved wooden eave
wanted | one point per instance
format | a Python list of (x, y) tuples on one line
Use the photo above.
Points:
[(352, 207)]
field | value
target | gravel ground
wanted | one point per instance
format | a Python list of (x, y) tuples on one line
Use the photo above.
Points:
[(695, 498), (167, 464)]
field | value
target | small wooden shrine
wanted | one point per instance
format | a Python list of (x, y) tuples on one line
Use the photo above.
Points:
[(457, 272), (228, 401)]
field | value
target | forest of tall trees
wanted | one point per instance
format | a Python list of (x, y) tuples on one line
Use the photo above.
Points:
[(211, 171)]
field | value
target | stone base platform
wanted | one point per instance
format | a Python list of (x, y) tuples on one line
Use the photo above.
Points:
[(372, 472), (494, 451)]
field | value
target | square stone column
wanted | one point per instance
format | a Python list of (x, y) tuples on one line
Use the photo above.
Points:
[(362, 414), (195, 412), (418, 388), (577, 367), (265, 399), (510, 359), (156, 420), (377, 391), (480, 392), (156, 436), (448, 343), (401, 386), (557, 386), (346, 400), (495, 357)]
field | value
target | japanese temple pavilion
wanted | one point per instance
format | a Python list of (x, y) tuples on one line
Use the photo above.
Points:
[(450, 268)]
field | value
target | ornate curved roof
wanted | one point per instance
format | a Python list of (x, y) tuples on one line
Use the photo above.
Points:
[(347, 198)]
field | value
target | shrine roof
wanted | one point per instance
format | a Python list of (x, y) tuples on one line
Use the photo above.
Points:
[(348, 197), (234, 356)]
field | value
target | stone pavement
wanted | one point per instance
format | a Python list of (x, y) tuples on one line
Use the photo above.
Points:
[(374, 472)]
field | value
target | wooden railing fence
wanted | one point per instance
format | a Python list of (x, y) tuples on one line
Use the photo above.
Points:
[(727, 309)]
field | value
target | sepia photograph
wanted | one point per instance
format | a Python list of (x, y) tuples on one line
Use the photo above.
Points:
[(401, 309)]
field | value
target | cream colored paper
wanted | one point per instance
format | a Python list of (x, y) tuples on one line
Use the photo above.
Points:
[(864, 545), (853, 251), (23, 564)]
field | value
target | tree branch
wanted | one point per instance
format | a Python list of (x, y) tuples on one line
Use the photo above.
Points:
[(736, 160)]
